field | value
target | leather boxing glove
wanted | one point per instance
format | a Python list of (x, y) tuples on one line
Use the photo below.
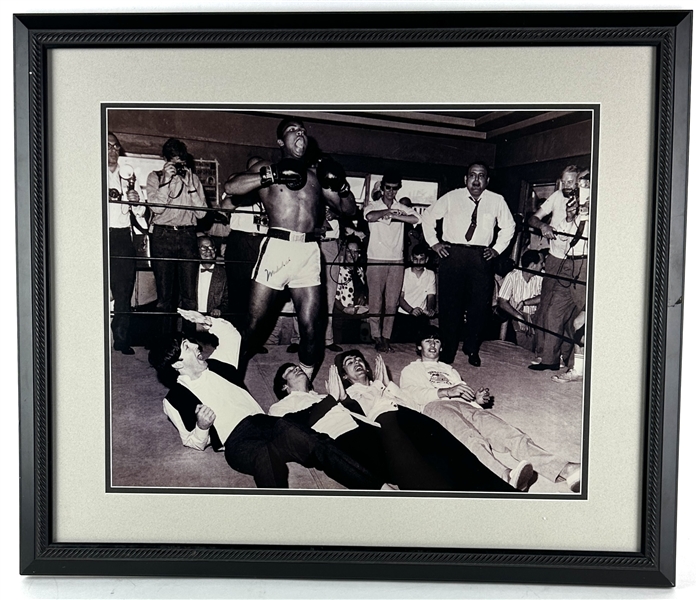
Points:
[(289, 171), (331, 176)]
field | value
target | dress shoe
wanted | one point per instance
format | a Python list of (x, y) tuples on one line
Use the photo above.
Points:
[(124, 349), (544, 367), (335, 348), (573, 481), (474, 359), (293, 348), (521, 477), (263, 350)]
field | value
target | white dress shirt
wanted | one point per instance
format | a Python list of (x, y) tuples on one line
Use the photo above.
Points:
[(456, 208)]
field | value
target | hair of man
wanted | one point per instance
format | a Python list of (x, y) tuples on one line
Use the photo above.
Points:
[(279, 381), (339, 362), (283, 125), (479, 163), (174, 148), (530, 257)]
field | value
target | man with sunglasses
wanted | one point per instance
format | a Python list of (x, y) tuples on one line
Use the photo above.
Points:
[(385, 273), (471, 216), (122, 271)]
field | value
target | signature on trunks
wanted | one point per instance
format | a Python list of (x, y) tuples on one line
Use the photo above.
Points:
[(271, 273)]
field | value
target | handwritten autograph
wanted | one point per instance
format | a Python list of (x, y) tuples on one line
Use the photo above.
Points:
[(271, 273)]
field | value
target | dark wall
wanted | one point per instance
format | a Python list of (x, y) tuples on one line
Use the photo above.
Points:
[(232, 137), (540, 158), (562, 142)]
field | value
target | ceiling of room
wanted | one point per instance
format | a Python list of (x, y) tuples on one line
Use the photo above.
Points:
[(481, 125)]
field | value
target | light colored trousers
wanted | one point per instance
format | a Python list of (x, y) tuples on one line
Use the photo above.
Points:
[(481, 431), (384, 282)]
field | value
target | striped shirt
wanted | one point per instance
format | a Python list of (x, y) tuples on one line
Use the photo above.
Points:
[(515, 289)]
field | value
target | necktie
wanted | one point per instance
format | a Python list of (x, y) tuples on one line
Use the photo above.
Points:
[(209, 269), (473, 224)]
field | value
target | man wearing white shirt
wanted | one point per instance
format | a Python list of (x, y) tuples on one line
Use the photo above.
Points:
[(441, 394), (122, 271), (351, 431), (465, 276), (248, 227), (417, 301), (386, 218), (519, 296), (436, 459), (209, 408), (562, 300)]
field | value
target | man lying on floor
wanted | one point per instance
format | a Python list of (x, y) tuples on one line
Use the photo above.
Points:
[(421, 452), (209, 408), (439, 392)]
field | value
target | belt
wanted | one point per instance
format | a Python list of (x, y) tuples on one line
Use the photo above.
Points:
[(252, 233), (293, 236), (176, 227), (466, 246), (577, 257)]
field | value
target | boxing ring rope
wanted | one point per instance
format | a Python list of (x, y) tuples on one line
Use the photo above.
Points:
[(241, 210)]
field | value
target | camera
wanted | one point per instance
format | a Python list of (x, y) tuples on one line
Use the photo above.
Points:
[(261, 220), (114, 194), (570, 193), (181, 169)]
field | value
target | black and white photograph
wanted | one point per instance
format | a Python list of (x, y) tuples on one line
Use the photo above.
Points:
[(349, 299)]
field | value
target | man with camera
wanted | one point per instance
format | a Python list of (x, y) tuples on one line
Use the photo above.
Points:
[(562, 300), (122, 271), (293, 196), (172, 194)]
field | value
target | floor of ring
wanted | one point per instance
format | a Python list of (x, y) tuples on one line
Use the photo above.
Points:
[(147, 450)]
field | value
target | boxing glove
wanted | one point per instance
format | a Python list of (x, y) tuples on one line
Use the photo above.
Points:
[(289, 171), (331, 176)]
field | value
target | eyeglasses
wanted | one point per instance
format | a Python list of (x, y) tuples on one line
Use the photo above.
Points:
[(114, 146)]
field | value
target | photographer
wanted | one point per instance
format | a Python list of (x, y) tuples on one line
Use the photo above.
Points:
[(173, 230), (561, 300)]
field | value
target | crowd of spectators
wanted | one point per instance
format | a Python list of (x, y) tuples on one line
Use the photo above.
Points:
[(386, 273)]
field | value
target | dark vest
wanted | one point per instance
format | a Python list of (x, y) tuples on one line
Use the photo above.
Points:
[(185, 402)]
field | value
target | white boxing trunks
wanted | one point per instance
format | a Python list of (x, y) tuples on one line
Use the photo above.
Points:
[(283, 263)]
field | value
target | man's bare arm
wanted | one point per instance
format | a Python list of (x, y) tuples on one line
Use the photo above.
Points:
[(343, 204), (239, 184)]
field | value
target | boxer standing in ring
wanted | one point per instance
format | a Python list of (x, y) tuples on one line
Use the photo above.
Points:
[(289, 256)]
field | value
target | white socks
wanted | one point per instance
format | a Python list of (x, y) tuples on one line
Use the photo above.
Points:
[(308, 370)]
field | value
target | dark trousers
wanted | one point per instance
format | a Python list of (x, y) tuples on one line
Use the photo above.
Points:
[(465, 283), (425, 456), (407, 328), (167, 242), (262, 446), (364, 445), (560, 303), (243, 248), (122, 277)]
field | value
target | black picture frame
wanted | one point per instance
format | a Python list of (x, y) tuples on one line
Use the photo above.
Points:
[(668, 32)]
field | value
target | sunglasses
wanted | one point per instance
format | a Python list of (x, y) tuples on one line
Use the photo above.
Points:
[(392, 187)]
